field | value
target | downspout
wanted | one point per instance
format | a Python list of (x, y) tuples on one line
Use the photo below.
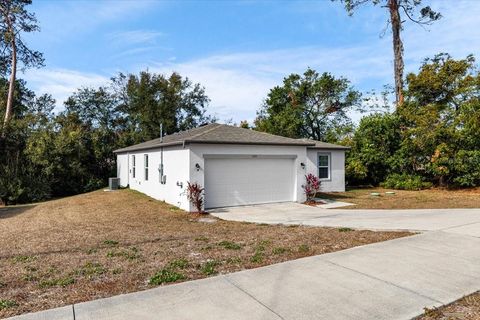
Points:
[(162, 179)]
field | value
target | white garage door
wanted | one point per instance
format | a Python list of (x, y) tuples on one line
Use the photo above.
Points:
[(248, 180)]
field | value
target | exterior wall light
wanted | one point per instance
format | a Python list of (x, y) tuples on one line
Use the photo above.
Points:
[(302, 165), (197, 166)]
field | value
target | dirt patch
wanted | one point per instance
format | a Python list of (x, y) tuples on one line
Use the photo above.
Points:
[(106, 243), (467, 308), (423, 199)]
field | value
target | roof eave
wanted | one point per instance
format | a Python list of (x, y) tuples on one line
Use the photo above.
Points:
[(249, 143), (128, 149)]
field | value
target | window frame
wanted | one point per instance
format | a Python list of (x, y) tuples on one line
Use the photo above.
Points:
[(329, 165), (145, 166), (134, 165)]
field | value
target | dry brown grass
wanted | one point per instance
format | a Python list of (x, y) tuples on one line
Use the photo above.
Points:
[(105, 243), (467, 308), (423, 199)]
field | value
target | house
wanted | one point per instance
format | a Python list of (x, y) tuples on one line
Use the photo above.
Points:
[(236, 166)]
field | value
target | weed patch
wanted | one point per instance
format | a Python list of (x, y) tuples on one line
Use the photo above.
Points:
[(110, 243), (59, 282), (165, 276), (230, 245), (303, 248), (5, 304), (279, 250), (345, 229), (209, 267), (178, 264)]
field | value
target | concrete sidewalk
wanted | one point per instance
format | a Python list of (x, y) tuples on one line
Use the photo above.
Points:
[(390, 280), (461, 221)]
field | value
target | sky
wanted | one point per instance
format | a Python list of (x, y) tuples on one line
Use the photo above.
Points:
[(237, 50)]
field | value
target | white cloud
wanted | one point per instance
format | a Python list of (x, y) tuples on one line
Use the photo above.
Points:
[(134, 37), (61, 83)]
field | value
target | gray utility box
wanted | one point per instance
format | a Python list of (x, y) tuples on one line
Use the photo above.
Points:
[(113, 183)]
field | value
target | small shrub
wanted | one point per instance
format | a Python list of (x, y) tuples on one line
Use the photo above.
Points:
[(345, 229), (178, 264), (311, 186), (230, 245), (195, 195), (405, 182), (209, 267), (165, 276), (5, 304), (303, 248)]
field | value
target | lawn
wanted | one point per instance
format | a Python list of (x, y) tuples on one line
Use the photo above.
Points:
[(467, 308), (106, 243), (423, 199)]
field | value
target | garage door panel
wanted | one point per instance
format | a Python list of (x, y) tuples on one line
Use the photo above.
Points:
[(230, 182)]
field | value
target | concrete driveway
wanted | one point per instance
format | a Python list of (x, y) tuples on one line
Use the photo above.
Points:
[(461, 221)]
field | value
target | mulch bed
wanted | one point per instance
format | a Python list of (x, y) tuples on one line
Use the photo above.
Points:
[(102, 244)]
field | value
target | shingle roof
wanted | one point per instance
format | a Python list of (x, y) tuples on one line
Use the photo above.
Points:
[(324, 145), (221, 134)]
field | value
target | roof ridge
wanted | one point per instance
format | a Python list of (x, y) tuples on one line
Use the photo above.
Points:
[(203, 132)]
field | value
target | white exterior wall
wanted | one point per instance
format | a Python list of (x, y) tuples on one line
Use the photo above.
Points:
[(197, 152), (336, 183), (176, 169)]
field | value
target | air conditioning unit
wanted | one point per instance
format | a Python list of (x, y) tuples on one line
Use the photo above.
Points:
[(113, 183)]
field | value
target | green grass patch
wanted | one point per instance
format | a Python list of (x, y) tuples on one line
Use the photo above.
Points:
[(234, 260), (165, 276), (5, 304), (279, 250), (91, 269), (345, 229), (257, 257), (178, 264), (202, 238), (58, 282), (230, 245), (208, 268), (110, 243), (24, 259)]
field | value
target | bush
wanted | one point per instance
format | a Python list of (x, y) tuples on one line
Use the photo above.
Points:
[(195, 195), (467, 168), (405, 182), (311, 186)]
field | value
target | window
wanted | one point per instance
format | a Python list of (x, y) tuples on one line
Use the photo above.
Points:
[(145, 157), (133, 166), (324, 166)]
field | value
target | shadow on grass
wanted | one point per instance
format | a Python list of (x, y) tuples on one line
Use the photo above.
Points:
[(9, 212)]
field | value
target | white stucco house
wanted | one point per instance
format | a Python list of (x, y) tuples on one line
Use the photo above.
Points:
[(236, 166)]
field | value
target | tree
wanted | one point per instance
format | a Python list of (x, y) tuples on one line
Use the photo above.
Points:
[(395, 8), (149, 99), (15, 19), (311, 106)]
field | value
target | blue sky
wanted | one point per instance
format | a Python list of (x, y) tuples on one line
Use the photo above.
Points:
[(237, 50)]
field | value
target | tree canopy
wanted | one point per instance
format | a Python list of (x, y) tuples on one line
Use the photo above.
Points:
[(311, 105)]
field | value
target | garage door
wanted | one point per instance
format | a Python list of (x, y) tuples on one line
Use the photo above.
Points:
[(248, 180)]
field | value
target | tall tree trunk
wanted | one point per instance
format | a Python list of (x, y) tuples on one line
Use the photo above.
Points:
[(397, 50), (11, 86)]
